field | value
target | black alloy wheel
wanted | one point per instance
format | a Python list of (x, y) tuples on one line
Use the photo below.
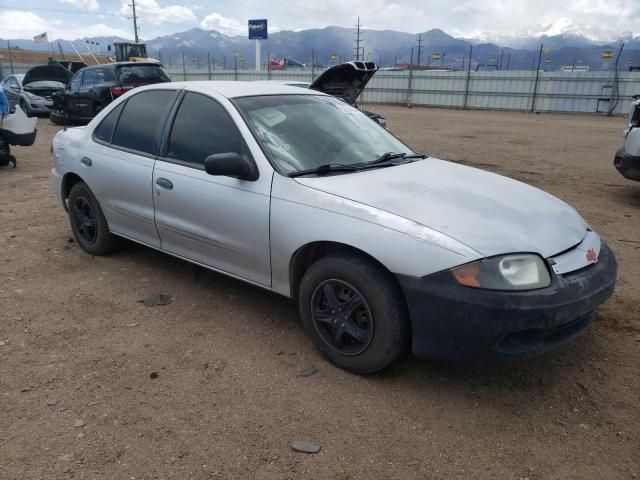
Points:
[(85, 219), (342, 317)]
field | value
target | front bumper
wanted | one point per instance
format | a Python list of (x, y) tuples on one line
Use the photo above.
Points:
[(454, 323), (627, 165)]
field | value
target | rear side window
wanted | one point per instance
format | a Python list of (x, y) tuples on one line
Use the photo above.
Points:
[(104, 131), (104, 75), (142, 74), (635, 118), (202, 127), (141, 120)]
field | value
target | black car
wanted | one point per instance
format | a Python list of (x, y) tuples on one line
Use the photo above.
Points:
[(93, 88)]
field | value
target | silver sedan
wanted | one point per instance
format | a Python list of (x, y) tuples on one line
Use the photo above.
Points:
[(299, 193)]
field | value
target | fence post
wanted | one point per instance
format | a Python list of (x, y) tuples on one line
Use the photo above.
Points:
[(409, 105), (268, 65), (313, 74), (209, 63), (466, 87), (535, 84), (10, 56), (184, 69), (235, 67)]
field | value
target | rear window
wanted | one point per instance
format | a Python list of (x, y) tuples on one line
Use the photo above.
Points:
[(142, 74)]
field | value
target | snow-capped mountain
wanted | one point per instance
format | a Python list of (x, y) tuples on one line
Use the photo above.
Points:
[(562, 32)]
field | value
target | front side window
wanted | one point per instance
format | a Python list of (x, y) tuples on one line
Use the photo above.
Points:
[(74, 84), (303, 132), (142, 119), (202, 127)]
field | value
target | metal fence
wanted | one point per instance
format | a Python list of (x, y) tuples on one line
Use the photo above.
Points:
[(575, 92)]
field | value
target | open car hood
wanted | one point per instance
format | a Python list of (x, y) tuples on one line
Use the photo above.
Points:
[(53, 73), (346, 80)]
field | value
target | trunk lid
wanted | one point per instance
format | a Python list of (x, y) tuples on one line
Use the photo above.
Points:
[(346, 80)]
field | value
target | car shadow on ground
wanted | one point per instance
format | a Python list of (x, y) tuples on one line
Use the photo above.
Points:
[(531, 381)]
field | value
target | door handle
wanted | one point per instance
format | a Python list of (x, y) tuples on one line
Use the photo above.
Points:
[(164, 183), (86, 161)]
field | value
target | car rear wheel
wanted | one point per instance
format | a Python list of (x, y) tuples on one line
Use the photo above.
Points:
[(354, 312), (88, 223)]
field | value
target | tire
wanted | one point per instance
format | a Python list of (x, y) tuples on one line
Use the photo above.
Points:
[(88, 224), (25, 108), (58, 118), (378, 320), (97, 108)]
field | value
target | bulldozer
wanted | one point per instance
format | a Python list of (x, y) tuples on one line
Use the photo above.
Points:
[(132, 52)]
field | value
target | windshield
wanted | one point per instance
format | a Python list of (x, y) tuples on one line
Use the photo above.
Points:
[(303, 132)]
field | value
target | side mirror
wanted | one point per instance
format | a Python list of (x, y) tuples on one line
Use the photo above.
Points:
[(231, 164)]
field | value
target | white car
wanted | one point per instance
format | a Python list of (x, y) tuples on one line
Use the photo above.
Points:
[(627, 158), (299, 193)]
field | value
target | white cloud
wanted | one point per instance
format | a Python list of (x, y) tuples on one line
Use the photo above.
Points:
[(228, 26), (91, 5), (26, 25), (150, 11)]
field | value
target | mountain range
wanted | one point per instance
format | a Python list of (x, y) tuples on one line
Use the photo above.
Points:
[(567, 43)]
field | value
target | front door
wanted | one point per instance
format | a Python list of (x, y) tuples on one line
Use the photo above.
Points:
[(218, 221)]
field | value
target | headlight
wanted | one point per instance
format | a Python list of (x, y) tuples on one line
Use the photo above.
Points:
[(31, 96), (521, 271)]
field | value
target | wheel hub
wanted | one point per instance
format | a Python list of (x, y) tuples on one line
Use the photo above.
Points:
[(342, 317)]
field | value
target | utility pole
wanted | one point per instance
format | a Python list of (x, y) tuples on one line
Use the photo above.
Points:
[(419, 48), (535, 85), (135, 20), (358, 34)]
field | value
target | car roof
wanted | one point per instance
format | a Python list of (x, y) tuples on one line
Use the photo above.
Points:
[(235, 89)]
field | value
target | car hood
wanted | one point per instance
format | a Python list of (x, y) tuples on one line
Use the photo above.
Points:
[(346, 80), (489, 213), (52, 73)]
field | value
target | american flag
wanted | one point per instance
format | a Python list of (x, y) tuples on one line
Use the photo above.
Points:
[(42, 38)]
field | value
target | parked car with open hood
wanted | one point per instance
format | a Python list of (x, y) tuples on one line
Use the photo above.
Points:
[(345, 81), (31, 103), (46, 80), (299, 193), (627, 158), (93, 88)]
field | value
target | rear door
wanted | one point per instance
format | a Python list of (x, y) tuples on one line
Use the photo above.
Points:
[(218, 221), (119, 167)]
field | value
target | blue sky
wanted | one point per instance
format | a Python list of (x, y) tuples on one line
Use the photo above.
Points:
[(76, 18)]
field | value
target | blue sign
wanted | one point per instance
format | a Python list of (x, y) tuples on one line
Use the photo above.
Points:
[(258, 29)]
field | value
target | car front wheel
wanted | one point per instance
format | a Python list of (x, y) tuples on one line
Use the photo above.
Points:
[(354, 312), (88, 223)]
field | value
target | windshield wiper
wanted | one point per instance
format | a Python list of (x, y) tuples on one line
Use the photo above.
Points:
[(385, 160), (386, 157), (326, 168)]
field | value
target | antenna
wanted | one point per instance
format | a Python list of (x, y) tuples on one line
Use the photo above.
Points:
[(419, 48), (358, 34), (135, 19)]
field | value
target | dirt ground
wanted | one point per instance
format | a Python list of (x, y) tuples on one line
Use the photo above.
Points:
[(77, 348)]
